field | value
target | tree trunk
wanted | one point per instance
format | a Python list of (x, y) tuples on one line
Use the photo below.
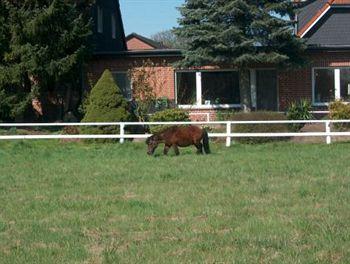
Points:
[(246, 100), (36, 103)]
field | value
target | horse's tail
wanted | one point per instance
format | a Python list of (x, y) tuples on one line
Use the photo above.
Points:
[(206, 142)]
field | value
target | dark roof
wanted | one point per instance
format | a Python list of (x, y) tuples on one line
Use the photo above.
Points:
[(332, 30), (144, 53), (311, 11), (148, 41), (121, 25), (308, 10)]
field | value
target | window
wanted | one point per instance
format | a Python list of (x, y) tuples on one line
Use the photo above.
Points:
[(324, 85), (345, 84), (114, 27), (99, 19), (331, 84), (220, 88), (208, 88), (124, 84), (186, 88)]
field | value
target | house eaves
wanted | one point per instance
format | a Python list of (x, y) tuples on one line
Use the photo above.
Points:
[(143, 53)]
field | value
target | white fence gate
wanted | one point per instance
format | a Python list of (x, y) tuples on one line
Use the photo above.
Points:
[(228, 134)]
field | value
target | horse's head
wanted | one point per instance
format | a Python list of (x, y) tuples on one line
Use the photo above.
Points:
[(152, 142)]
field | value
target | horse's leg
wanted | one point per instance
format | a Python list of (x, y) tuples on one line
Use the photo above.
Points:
[(177, 152), (199, 147), (166, 149)]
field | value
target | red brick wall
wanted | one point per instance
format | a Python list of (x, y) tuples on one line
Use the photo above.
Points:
[(136, 44), (203, 115), (293, 86), (297, 84), (164, 73)]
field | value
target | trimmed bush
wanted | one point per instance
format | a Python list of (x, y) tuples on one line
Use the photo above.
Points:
[(168, 115), (105, 104), (259, 128), (225, 115), (299, 111), (339, 110)]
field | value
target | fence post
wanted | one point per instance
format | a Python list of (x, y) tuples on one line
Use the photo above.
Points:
[(228, 132), (328, 131), (122, 133)]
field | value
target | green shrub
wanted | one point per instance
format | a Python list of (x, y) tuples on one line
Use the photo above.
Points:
[(259, 128), (340, 110), (168, 115), (226, 115), (161, 104), (105, 104), (299, 111), (83, 105), (9, 131)]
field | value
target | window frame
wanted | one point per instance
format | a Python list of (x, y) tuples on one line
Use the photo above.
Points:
[(99, 19), (337, 84), (199, 105), (131, 89), (114, 26), (343, 68)]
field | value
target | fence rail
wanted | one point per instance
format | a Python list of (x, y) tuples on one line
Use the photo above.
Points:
[(228, 134)]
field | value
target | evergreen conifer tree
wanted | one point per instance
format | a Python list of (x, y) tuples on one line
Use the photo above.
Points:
[(4, 31), (48, 43), (106, 103), (239, 33)]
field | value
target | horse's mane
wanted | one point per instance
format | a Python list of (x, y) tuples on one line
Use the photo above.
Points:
[(159, 134), (167, 129)]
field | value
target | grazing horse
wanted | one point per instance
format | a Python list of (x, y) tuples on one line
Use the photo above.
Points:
[(179, 136)]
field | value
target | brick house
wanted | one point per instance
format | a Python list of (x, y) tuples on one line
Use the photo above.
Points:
[(324, 24), (137, 42)]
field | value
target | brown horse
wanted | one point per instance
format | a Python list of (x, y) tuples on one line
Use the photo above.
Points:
[(179, 136)]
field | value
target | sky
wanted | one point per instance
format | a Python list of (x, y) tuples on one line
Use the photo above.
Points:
[(147, 17)]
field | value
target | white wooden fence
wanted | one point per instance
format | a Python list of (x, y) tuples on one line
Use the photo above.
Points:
[(228, 134)]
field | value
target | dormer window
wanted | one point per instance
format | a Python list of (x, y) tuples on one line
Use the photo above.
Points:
[(99, 19), (114, 26)]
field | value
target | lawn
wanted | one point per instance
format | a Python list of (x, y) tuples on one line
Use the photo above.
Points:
[(81, 203)]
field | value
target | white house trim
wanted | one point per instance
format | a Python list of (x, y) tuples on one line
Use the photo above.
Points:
[(199, 88), (337, 84), (253, 88), (316, 21), (209, 107)]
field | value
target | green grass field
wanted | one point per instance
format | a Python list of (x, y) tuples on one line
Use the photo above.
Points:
[(80, 203)]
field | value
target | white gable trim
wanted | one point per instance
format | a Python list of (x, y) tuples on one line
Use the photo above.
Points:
[(316, 21)]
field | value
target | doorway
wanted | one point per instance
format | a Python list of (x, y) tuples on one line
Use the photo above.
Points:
[(266, 90)]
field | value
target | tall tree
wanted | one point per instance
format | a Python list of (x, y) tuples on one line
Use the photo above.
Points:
[(240, 33), (4, 31), (48, 44), (5, 99), (168, 39)]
